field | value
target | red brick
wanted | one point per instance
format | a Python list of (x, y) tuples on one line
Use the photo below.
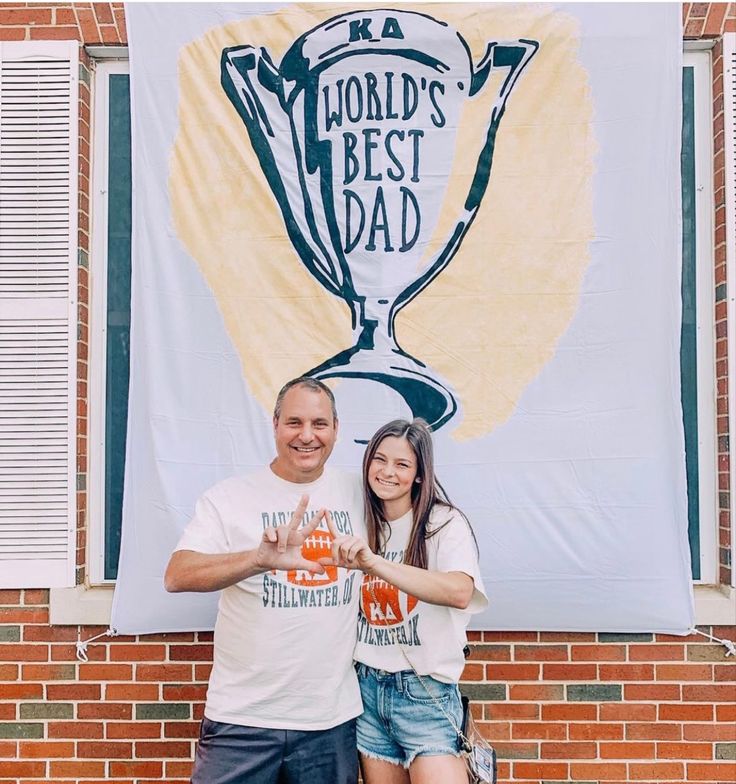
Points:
[(181, 729), (190, 652), (119, 730), (549, 771), (104, 749), (510, 710), (720, 693), (685, 751), (45, 749), (105, 710), (626, 672), (137, 652), (655, 771), (163, 672), (144, 692), (631, 711), (568, 751), (178, 768), (153, 749), (8, 596), (473, 672), (513, 672), (48, 672), (105, 672), (17, 768), (19, 652), (596, 731), (72, 769), (726, 712), (686, 712), (541, 692), (540, 653), (710, 771), (490, 653), (592, 771), (724, 672), (19, 691), (73, 691), (653, 731), (510, 636), (598, 653), (654, 692), (25, 16), (715, 18), (569, 711), (75, 729), (67, 33), (684, 672), (523, 730), (710, 732), (626, 750), (8, 672), (103, 12), (570, 672), (49, 633), (138, 768)]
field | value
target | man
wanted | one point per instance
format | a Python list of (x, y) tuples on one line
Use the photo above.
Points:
[(283, 696)]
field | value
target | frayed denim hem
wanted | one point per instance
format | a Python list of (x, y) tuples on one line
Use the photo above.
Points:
[(427, 751), (381, 758)]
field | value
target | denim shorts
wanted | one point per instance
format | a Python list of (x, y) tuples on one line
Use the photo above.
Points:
[(400, 721)]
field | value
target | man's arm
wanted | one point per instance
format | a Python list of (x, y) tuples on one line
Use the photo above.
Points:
[(199, 572), (280, 548)]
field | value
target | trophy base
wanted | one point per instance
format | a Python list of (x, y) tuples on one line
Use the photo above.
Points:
[(425, 396)]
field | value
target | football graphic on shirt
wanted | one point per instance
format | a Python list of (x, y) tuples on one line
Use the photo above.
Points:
[(390, 605), (317, 545)]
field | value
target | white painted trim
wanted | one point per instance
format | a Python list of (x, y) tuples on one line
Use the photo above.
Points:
[(729, 116), (715, 605), (700, 61), (80, 605), (107, 52), (98, 321)]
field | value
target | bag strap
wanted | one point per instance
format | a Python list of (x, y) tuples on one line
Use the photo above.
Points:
[(466, 744)]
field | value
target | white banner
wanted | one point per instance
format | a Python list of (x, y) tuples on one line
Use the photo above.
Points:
[(468, 213)]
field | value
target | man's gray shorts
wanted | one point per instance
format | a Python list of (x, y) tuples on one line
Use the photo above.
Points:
[(231, 754)]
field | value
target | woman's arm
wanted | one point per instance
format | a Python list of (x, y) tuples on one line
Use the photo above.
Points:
[(449, 589)]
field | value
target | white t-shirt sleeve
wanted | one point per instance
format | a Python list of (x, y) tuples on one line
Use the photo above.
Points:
[(456, 551), (205, 532)]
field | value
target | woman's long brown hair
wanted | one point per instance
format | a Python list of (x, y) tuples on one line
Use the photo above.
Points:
[(425, 494)]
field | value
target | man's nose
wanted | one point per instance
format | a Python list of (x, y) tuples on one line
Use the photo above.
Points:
[(306, 433)]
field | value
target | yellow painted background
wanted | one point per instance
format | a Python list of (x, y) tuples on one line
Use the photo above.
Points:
[(492, 319)]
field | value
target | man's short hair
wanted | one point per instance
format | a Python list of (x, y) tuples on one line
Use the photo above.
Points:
[(310, 383)]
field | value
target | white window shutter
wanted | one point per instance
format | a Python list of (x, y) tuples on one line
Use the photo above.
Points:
[(38, 312)]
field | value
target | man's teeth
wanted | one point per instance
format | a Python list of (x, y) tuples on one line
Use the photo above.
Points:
[(306, 448)]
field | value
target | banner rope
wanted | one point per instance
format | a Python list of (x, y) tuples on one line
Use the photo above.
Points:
[(729, 645), (82, 644)]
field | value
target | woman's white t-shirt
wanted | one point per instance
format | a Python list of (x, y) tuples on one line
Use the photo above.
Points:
[(432, 636)]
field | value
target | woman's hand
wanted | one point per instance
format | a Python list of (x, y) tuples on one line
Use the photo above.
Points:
[(350, 552)]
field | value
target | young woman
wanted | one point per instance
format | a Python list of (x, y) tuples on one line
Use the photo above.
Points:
[(421, 584)]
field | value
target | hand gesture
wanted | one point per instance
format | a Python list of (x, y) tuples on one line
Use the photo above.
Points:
[(350, 552), (281, 548)]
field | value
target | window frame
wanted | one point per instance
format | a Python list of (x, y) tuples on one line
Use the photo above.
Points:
[(699, 58), (97, 408)]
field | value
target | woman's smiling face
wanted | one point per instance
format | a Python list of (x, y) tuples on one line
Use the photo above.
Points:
[(391, 474)]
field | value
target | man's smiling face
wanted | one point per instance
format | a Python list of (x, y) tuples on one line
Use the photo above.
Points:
[(305, 434)]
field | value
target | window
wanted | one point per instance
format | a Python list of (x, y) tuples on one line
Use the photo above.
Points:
[(109, 313), (697, 348)]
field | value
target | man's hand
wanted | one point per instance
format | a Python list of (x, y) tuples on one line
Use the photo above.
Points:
[(350, 552), (281, 548)]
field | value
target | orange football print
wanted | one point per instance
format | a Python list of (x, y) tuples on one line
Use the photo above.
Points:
[(318, 545), (390, 605)]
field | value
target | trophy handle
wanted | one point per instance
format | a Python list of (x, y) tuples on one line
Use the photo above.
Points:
[(513, 55), (259, 102)]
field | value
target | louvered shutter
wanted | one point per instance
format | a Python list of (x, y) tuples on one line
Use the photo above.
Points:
[(38, 319)]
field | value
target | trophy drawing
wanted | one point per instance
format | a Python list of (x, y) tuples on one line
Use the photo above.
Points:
[(355, 134)]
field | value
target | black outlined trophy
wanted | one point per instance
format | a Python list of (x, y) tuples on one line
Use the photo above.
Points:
[(355, 133)]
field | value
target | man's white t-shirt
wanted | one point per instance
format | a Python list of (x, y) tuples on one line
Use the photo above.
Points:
[(432, 636), (283, 640)]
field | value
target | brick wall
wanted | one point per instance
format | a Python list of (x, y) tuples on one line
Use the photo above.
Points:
[(558, 707)]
